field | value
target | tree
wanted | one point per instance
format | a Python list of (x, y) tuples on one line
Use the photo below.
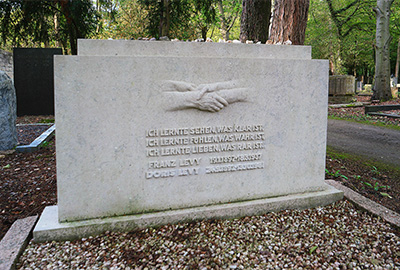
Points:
[(46, 22), (167, 17), (205, 16), (228, 13), (343, 31), (395, 31), (130, 21), (289, 21), (381, 87), (255, 18), (107, 11)]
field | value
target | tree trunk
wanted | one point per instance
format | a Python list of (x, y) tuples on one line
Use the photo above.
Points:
[(98, 10), (397, 61), (289, 21), (254, 24), (224, 25), (57, 30), (204, 31), (165, 19), (381, 88)]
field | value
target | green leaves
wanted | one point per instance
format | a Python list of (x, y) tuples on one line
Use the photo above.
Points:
[(336, 174), (314, 248), (7, 166), (376, 187), (384, 194), (46, 22)]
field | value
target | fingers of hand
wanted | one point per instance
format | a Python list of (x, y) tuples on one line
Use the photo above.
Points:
[(221, 100)]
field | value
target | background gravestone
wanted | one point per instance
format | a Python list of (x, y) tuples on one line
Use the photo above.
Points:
[(341, 88), (34, 80), (6, 63), (8, 132)]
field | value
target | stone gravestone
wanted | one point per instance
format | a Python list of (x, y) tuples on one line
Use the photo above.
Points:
[(341, 88), (8, 113), (87, 47), (6, 63), (172, 138), (34, 80)]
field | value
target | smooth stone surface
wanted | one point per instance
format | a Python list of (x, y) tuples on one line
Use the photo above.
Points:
[(190, 49), (8, 113), (122, 160), (14, 242), (49, 229)]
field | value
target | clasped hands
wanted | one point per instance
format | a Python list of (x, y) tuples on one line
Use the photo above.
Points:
[(204, 97)]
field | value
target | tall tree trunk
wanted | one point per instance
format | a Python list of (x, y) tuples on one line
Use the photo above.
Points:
[(381, 88), (165, 19), (224, 25), (397, 61), (254, 24), (98, 10), (289, 21), (57, 30), (204, 31)]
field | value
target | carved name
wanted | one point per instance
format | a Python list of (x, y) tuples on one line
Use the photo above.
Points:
[(242, 142)]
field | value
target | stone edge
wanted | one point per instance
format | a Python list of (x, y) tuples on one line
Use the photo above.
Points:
[(48, 228), (375, 208), (35, 145), (14, 242)]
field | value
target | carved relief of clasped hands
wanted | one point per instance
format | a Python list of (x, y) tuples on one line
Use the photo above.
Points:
[(205, 97)]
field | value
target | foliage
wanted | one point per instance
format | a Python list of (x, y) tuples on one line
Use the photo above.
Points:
[(179, 18), (229, 17), (365, 119), (336, 174), (45, 23), (107, 11), (387, 169), (189, 19), (343, 31), (377, 187), (129, 22)]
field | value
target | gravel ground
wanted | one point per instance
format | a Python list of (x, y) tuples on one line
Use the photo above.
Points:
[(333, 237), (28, 133)]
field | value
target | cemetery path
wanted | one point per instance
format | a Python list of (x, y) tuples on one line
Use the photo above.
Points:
[(377, 143)]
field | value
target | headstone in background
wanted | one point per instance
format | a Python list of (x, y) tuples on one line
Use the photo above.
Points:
[(341, 89), (34, 80), (393, 82), (8, 113), (87, 47), (359, 86), (6, 63)]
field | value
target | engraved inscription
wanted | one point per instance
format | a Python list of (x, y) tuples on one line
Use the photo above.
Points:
[(175, 152)]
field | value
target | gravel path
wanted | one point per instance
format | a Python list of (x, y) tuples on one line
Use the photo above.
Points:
[(332, 237)]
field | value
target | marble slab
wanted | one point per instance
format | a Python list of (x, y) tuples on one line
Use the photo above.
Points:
[(190, 49), (147, 134)]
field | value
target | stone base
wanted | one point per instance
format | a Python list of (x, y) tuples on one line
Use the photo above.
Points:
[(341, 99), (48, 228)]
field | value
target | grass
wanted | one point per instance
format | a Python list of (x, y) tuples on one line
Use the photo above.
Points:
[(376, 166), (368, 120), (46, 121)]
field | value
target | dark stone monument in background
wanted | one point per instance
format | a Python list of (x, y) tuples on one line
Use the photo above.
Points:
[(34, 80)]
